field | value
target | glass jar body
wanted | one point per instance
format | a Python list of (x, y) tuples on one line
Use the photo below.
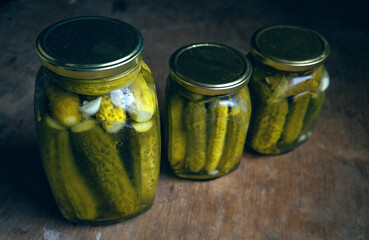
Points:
[(286, 107), (100, 143), (205, 134)]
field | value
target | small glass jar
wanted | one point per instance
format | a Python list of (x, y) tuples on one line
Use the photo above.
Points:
[(287, 87), (97, 120), (208, 110)]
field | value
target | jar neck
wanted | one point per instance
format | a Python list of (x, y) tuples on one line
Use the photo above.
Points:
[(97, 86), (286, 83), (257, 64), (173, 86)]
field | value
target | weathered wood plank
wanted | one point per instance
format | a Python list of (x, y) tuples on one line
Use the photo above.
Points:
[(318, 191)]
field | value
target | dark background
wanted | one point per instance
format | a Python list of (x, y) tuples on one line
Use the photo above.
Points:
[(318, 191)]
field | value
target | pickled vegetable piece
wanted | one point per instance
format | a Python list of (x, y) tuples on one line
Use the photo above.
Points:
[(64, 106), (145, 68), (300, 84), (267, 126), (295, 118), (313, 110), (269, 116), (111, 116), (146, 154), (268, 87), (218, 117), (146, 73), (75, 198), (50, 143), (102, 158), (238, 123), (177, 135), (90, 108), (142, 108), (195, 125)]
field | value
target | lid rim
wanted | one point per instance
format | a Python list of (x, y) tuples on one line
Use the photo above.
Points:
[(284, 63), (193, 85), (90, 70)]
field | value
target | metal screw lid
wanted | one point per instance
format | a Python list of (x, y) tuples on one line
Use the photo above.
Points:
[(289, 48), (210, 68), (90, 47)]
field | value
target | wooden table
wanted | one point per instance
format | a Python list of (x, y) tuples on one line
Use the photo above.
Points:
[(318, 191)]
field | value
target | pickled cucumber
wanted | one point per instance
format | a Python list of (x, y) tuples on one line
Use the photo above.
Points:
[(75, 198), (269, 116), (145, 68), (145, 150), (111, 116), (195, 126), (52, 144), (146, 73), (64, 106), (267, 126), (268, 87), (102, 157), (218, 117), (142, 107), (295, 119), (177, 135), (313, 110), (238, 123)]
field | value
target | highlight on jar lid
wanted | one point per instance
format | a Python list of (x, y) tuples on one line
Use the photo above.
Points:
[(90, 47), (210, 68), (289, 48)]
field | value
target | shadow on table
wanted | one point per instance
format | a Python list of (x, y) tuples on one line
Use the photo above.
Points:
[(21, 173)]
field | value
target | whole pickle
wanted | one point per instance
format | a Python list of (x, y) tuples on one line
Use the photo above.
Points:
[(295, 119), (101, 155), (195, 125), (177, 135), (72, 193), (238, 123), (269, 116), (51, 139), (64, 106), (267, 126), (145, 151), (313, 109), (218, 117)]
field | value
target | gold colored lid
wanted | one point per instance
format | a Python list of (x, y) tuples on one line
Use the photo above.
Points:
[(210, 68), (90, 47), (289, 48)]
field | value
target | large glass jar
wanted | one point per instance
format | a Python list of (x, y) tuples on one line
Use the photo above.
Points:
[(97, 120), (287, 87), (208, 110)]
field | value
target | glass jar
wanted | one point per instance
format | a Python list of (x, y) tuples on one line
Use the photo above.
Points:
[(287, 87), (208, 110), (97, 119)]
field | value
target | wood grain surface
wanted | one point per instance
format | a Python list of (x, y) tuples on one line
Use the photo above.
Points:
[(318, 191)]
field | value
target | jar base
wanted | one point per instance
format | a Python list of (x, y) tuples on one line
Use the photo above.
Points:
[(110, 221), (202, 175), (282, 150)]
